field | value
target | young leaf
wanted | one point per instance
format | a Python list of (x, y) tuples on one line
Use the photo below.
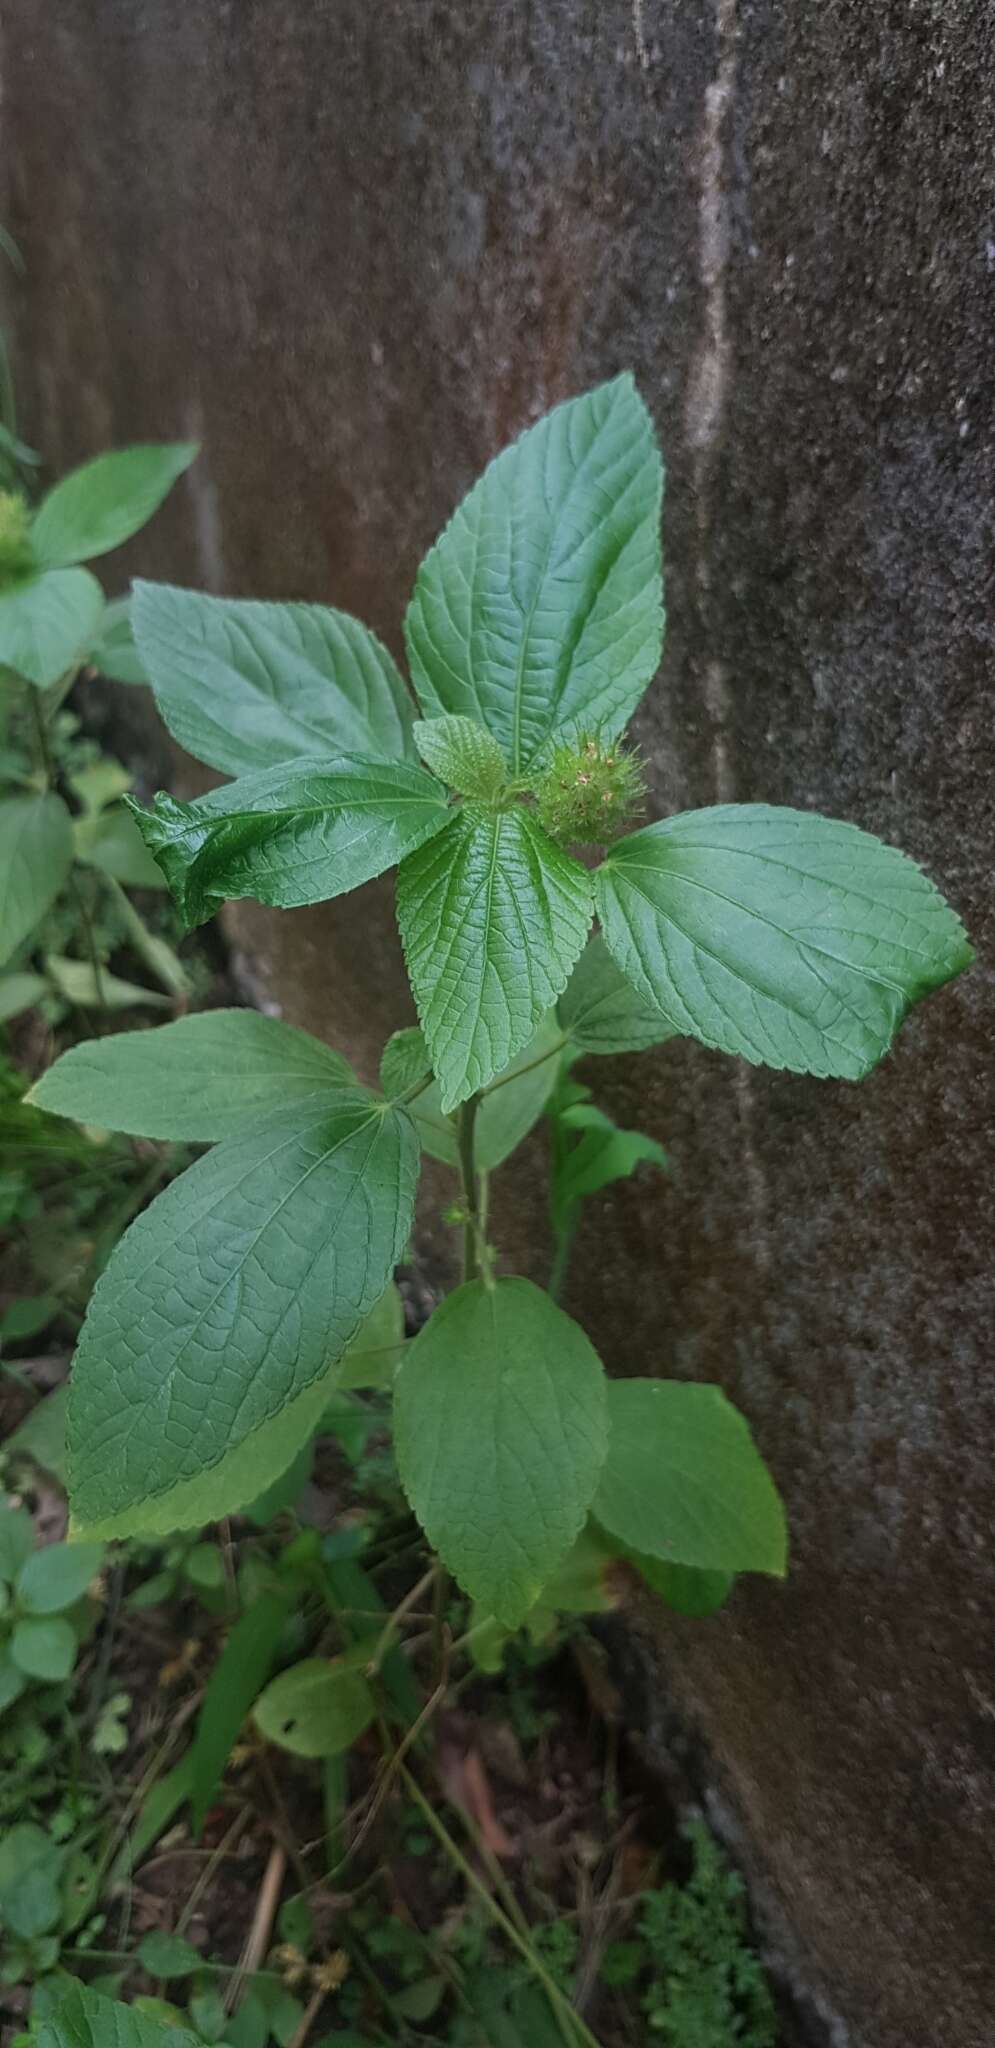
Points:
[(44, 1649), (241, 1670), (229, 1297), (58, 1575), (85, 2019), (492, 917), (601, 1011), (104, 502), (539, 612), (200, 1079), (317, 1708), (36, 851), (244, 685), (167, 1955), (683, 1480), (299, 833), (47, 622), (504, 1117), (462, 754), (791, 939), (499, 1418), (601, 1155)]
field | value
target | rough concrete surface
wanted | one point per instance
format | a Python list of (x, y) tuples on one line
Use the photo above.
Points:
[(354, 248)]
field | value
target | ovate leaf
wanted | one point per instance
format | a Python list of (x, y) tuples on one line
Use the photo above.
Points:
[(104, 502), (48, 622), (30, 1878), (684, 1482), (168, 1955), (44, 1649), (295, 834), (463, 754), (499, 1419), (601, 1011), (317, 1708), (202, 1078), (229, 1297), (36, 851), (244, 685), (85, 2019), (793, 940), (540, 609), (58, 1575), (492, 917), (504, 1116)]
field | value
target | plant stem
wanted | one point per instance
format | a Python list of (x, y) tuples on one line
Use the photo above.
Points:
[(558, 2000), (561, 1261), (471, 1191), (48, 768)]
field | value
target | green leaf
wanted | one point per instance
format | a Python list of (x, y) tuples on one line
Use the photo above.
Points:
[(299, 833), (104, 502), (12, 1681), (539, 611), (36, 851), (601, 1011), (27, 1317), (602, 1154), (86, 2020), (266, 1256), (58, 1575), (376, 1349), (504, 1117), (17, 1536), (244, 685), (683, 1480), (42, 1436), (202, 1078), (203, 1567), (114, 652), (793, 940), (241, 1670), (19, 992), (113, 843), (47, 623), (167, 1955), (492, 917), (317, 1708), (44, 1649), (207, 2012), (30, 1881), (684, 1589), (462, 754), (499, 1418), (77, 982)]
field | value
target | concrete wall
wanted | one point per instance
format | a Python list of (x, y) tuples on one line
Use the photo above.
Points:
[(354, 248)]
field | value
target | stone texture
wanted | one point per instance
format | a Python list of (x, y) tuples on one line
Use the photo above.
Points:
[(354, 248)]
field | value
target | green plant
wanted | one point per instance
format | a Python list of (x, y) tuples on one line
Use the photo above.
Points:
[(68, 847), (213, 1339), (704, 1986)]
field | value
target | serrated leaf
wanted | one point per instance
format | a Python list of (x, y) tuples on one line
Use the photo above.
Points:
[(240, 1672), (36, 851), (793, 940), (540, 609), (299, 833), (85, 2019), (462, 754), (200, 1079), (47, 622), (229, 1297), (44, 1649), (600, 1010), (77, 981), (504, 1117), (244, 685), (101, 504), (317, 1708), (684, 1482), (58, 1575), (499, 1421), (492, 917), (114, 652)]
